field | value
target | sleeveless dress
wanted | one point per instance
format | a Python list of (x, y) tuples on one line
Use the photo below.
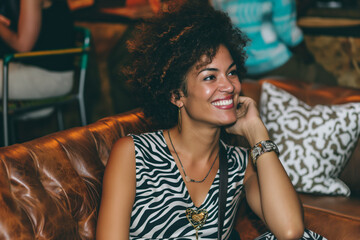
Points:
[(162, 197)]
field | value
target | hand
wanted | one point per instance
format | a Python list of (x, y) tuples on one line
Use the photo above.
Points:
[(246, 112), (248, 122), (4, 20)]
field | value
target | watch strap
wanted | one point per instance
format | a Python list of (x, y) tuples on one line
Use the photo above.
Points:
[(261, 148)]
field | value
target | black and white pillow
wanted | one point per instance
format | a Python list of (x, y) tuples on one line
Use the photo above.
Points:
[(315, 142)]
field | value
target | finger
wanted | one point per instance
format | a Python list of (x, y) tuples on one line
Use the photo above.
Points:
[(240, 101), (241, 110), (244, 101), (4, 20)]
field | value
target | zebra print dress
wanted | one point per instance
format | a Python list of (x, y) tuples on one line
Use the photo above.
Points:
[(162, 197)]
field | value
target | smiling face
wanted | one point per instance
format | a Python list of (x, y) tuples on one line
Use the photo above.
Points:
[(212, 91)]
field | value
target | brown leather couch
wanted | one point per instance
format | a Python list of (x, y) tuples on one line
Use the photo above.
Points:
[(50, 187)]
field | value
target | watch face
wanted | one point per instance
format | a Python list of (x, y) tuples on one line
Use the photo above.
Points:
[(263, 147), (255, 152), (268, 146)]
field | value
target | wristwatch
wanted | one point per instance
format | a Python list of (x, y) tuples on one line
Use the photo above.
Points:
[(263, 147)]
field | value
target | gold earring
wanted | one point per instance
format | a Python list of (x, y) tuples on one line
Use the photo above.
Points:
[(179, 120)]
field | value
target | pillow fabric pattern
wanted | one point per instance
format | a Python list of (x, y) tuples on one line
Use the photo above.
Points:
[(315, 142)]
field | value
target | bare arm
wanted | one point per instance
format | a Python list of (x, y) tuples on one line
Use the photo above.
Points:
[(118, 192), (28, 27), (269, 190)]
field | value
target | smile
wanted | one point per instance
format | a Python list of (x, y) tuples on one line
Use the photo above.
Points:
[(224, 104)]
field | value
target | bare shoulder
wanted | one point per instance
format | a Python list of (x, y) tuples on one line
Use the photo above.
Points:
[(122, 153), (119, 178), (121, 163), (123, 145)]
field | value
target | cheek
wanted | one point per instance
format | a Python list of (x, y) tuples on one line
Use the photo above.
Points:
[(201, 92), (208, 91), (237, 86)]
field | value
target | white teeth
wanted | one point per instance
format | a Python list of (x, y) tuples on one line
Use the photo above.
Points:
[(223, 102)]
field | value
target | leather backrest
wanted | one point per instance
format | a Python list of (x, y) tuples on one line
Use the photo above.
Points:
[(50, 187)]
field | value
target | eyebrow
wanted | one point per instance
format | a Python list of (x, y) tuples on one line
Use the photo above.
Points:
[(214, 69)]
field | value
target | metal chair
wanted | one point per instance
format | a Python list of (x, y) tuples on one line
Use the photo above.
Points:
[(11, 109)]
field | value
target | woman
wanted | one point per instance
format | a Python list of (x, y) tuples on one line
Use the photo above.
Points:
[(165, 184), (34, 25)]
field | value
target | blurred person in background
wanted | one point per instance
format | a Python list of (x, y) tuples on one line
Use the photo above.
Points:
[(33, 25), (277, 45)]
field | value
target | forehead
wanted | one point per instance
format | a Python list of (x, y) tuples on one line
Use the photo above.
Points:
[(219, 55)]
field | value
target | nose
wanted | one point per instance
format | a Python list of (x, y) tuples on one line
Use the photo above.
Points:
[(226, 85)]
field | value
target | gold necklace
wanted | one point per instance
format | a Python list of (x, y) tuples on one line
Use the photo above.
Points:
[(187, 178), (196, 218)]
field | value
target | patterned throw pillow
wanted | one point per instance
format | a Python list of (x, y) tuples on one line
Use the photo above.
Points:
[(315, 142)]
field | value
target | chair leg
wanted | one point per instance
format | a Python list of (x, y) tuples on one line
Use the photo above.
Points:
[(82, 111), (60, 119), (5, 128), (5, 101), (13, 132)]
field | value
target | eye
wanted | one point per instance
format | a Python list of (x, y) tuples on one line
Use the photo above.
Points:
[(233, 73), (209, 78)]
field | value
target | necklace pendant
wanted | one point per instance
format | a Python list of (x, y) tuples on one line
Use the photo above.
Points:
[(187, 179), (197, 219)]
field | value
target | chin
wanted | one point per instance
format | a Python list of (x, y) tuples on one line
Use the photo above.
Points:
[(228, 121)]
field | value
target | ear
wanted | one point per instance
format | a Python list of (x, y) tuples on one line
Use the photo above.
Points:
[(175, 98)]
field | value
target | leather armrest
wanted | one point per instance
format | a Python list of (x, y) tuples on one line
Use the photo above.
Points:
[(333, 217), (335, 205)]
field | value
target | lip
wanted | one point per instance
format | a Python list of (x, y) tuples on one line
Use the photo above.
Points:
[(224, 103)]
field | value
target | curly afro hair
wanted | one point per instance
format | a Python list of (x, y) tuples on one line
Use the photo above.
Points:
[(168, 45)]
